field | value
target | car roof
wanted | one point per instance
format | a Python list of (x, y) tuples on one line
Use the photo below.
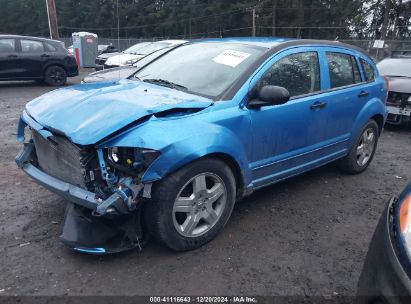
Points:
[(403, 59), (28, 37), (276, 44), (173, 42), (266, 42), (401, 54)]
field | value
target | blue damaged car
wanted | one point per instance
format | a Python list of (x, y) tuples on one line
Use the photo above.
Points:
[(168, 151)]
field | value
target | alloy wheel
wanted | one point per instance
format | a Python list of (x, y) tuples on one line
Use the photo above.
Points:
[(57, 76), (366, 147), (199, 205)]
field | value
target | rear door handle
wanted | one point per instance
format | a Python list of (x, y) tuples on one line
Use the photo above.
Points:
[(318, 105), (363, 94), (45, 55), (12, 56)]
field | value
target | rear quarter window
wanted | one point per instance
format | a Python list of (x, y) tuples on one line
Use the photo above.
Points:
[(50, 47), (368, 70)]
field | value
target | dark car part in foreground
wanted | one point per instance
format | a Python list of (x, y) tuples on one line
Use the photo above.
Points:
[(31, 58), (387, 269), (398, 72)]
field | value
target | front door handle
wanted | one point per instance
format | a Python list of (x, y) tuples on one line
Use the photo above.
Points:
[(45, 55), (12, 56), (363, 94), (318, 105)]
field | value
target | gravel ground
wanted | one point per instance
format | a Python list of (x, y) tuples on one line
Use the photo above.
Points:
[(306, 236)]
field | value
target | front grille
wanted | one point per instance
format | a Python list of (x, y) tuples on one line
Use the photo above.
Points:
[(100, 61), (399, 99), (106, 66), (59, 157)]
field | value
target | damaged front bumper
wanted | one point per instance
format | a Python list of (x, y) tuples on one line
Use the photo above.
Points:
[(92, 225), (115, 203)]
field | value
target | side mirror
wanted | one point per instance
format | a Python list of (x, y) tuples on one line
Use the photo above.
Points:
[(269, 96)]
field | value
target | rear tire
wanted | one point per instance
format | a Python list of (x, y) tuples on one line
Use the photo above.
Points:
[(363, 150), (55, 76), (191, 206)]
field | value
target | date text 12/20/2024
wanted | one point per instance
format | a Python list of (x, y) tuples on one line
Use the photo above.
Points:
[(234, 299)]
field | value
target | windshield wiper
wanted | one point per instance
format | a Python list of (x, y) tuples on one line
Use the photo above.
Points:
[(166, 83)]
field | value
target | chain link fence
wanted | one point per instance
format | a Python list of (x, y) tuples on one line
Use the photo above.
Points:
[(121, 44), (367, 45)]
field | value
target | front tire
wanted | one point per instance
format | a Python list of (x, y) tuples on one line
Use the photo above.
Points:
[(55, 76), (363, 150), (191, 206)]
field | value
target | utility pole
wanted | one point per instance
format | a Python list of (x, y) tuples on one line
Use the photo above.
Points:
[(254, 30), (52, 17)]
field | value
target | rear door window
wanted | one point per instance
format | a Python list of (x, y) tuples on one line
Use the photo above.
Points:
[(299, 73), (343, 70), (7, 45), (31, 46), (368, 70)]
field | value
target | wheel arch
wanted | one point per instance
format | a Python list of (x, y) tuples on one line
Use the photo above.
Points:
[(231, 161), (50, 64), (235, 169), (374, 109), (379, 119)]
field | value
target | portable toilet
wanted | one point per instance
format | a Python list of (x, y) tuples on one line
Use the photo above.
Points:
[(85, 49)]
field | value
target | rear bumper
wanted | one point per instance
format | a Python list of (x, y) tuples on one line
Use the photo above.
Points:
[(71, 67), (73, 71), (398, 115)]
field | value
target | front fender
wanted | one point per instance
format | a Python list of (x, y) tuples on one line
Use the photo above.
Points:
[(182, 141)]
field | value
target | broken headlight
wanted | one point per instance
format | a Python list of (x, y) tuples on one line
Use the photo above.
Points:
[(131, 159)]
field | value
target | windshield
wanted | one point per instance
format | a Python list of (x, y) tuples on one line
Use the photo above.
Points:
[(149, 58), (395, 67), (204, 68), (101, 47), (152, 47), (135, 48)]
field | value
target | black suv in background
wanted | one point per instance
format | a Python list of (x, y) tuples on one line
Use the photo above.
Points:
[(31, 58)]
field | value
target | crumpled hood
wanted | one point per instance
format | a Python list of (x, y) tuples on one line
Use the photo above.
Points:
[(88, 113), (400, 84)]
